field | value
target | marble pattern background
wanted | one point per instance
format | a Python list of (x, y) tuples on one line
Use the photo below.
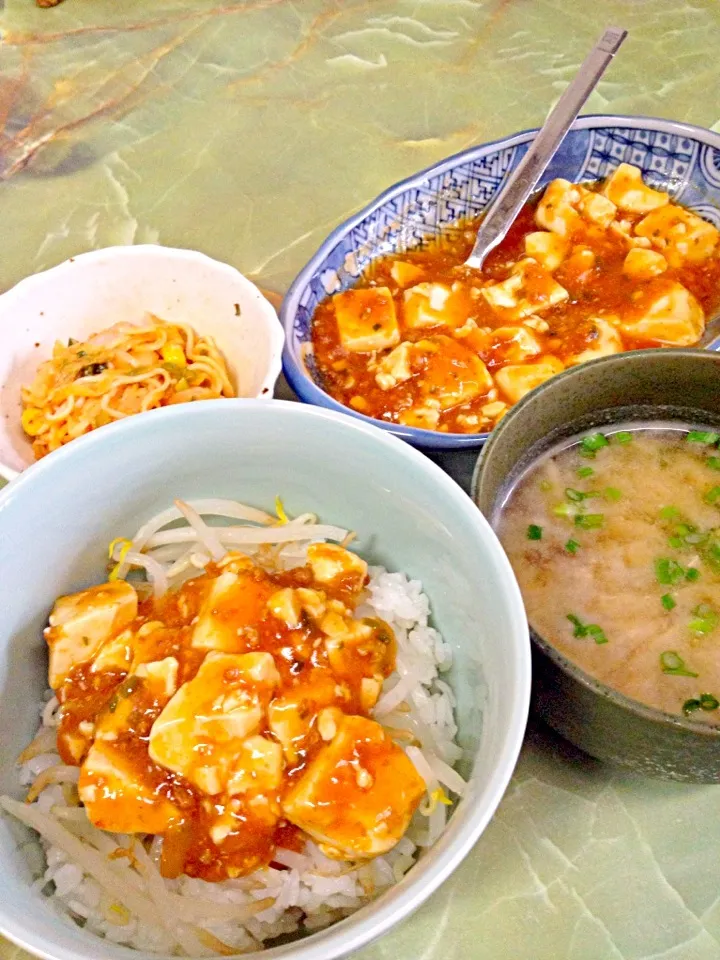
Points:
[(249, 129)]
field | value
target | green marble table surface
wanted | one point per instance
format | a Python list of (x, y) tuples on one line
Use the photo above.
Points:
[(248, 129)]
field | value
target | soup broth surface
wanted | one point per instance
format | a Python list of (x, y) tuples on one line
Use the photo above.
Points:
[(615, 540)]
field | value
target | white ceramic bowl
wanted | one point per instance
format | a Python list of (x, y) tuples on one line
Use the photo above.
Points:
[(56, 521), (95, 290)]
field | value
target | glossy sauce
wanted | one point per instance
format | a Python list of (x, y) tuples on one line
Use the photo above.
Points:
[(597, 290), (109, 699)]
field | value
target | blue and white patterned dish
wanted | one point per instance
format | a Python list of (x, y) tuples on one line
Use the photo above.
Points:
[(681, 159)]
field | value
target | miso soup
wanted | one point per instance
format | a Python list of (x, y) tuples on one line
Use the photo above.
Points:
[(615, 540)]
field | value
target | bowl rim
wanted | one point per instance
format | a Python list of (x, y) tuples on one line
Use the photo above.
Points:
[(306, 388), (274, 329), (565, 664), (467, 823)]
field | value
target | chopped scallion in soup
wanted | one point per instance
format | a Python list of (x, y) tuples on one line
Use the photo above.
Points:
[(624, 579)]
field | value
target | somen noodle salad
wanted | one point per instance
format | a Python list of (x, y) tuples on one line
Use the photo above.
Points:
[(248, 733), (125, 369)]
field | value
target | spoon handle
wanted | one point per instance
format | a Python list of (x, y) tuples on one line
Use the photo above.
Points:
[(521, 183)]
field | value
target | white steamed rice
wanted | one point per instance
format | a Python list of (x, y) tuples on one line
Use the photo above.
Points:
[(197, 918)]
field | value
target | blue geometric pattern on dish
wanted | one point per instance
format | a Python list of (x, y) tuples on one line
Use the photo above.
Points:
[(677, 157)]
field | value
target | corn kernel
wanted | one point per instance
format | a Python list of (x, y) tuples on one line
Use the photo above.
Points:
[(173, 353), (33, 422)]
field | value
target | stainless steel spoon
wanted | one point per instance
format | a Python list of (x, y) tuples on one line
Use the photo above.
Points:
[(523, 180), (711, 334)]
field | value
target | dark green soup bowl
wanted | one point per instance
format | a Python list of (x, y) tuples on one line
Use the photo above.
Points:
[(642, 385)]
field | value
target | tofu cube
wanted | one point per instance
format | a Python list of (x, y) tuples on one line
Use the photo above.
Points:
[(234, 602), (604, 340), (597, 209), (679, 234), (334, 566), (359, 792), (495, 410), (642, 264), (475, 338), (370, 690), (201, 730), (665, 313), (434, 305), (625, 188), (579, 266), (450, 373), (160, 677), (312, 602), (116, 654), (144, 691), (285, 605), (364, 648), (548, 249), (395, 368), (81, 623), (517, 380), (557, 209), (258, 767), (529, 289), (291, 715), (422, 417), (536, 323), (119, 796), (404, 273), (515, 344), (366, 319)]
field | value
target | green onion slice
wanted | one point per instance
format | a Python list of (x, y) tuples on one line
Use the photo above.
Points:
[(584, 472), (711, 556), (667, 601), (713, 463), (593, 443), (672, 663), (705, 620), (575, 496), (669, 513), (706, 701), (572, 546), (702, 436), (590, 521), (613, 494), (712, 495), (534, 532), (623, 436), (587, 629), (596, 633), (668, 571)]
